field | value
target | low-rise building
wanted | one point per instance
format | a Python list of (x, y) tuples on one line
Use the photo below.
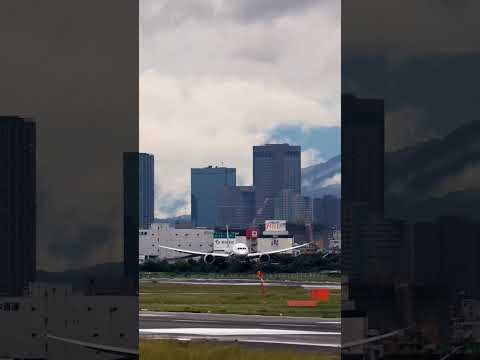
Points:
[(196, 239), (272, 243)]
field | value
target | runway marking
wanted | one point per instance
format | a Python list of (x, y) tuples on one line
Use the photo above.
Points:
[(233, 331), (329, 322), (196, 321), (291, 343), (297, 325), (154, 315)]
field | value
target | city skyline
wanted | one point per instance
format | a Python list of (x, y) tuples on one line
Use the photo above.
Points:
[(324, 186), (242, 89)]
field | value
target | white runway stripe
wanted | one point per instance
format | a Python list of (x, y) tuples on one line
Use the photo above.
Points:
[(288, 325), (300, 343), (230, 331)]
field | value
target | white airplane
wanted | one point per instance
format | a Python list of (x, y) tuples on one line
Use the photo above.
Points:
[(238, 250)]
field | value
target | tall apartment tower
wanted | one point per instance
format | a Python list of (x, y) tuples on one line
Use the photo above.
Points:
[(17, 204), (146, 190), (362, 184), (207, 186), (275, 167)]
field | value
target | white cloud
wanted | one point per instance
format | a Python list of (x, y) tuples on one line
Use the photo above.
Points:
[(210, 90), (334, 180), (311, 157)]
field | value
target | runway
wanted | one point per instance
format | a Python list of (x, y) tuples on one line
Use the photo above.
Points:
[(301, 333), (242, 282)]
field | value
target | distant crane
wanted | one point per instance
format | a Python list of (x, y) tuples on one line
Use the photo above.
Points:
[(260, 210)]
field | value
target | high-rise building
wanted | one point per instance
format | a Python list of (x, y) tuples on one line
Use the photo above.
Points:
[(236, 207), (131, 170), (291, 206), (17, 204), (207, 186), (363, 190), (326, 210), (363, 152), (275, 167), (146, 190)]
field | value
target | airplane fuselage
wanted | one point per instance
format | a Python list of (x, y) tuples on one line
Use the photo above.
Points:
[(238, 249)]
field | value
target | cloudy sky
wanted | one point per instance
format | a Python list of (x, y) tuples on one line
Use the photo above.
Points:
[(425, 66), (217, 77)]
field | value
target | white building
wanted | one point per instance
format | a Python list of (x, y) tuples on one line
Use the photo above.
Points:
[(198, 239), (222, 243), (274, 243), (335, 239), (275, 237)]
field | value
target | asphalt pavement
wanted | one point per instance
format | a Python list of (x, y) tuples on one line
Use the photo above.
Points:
[(316, 334), (242, 282)]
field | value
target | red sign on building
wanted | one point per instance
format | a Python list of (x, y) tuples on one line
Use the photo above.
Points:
[(251, 234)]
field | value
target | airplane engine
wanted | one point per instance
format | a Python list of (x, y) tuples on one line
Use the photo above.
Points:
[(263, 259), (209, 259)]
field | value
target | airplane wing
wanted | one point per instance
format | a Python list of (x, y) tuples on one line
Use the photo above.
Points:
[(98, 347), (199, 253), (372, 339), (276, 251)]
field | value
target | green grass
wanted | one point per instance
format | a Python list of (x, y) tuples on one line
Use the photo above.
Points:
[(227, 299), (170, 350)]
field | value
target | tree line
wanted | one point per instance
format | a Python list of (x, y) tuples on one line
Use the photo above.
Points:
[(281, 263)]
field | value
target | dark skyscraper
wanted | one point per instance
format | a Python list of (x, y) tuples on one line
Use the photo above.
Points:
[(326, 210), (207, 186), (362, 183), (17, 204), (236, 206), (131, 167), (146, 190), (275, 167), (362, 152)]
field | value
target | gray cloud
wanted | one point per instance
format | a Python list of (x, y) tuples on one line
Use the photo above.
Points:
[(267, 10), (222, 75), (173, 13), (76, 76)]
